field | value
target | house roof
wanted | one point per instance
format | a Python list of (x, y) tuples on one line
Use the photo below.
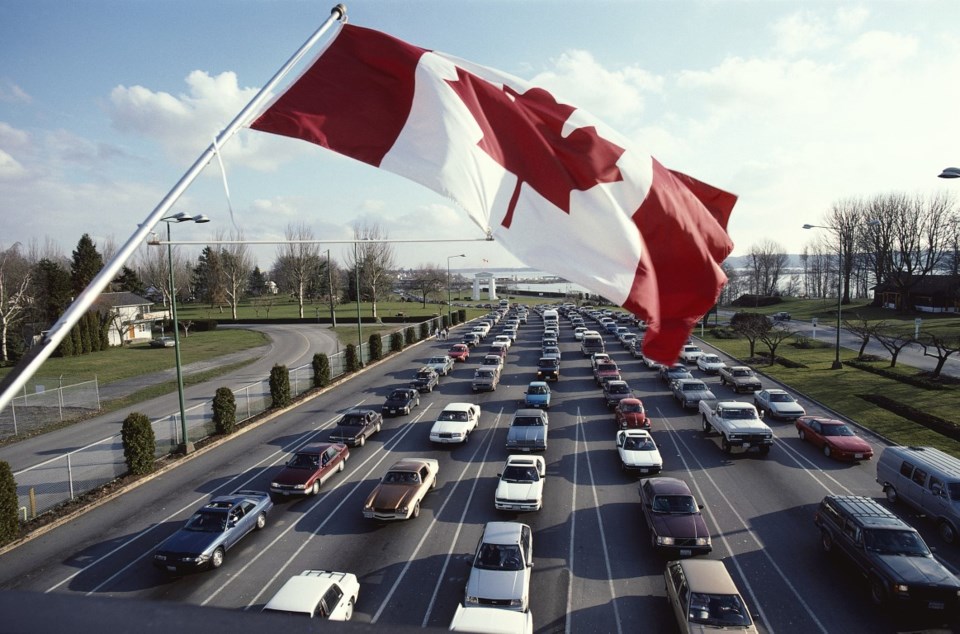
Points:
[(117, 300), (925, 285)]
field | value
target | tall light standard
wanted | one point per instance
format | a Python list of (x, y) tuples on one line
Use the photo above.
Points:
[(449, 313), (186, 446), (836, 361), (356, 261), (333, 314)]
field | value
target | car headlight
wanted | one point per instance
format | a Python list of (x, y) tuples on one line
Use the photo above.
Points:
[(300, 486), (664, 541), (274, 485), (901, 588), (703, 541), (471, 600), (516, 603), (160, 557), (404, 509), (199, 559)]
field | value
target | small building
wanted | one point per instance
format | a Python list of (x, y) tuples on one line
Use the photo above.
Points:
[(927, 294), (130, 316)]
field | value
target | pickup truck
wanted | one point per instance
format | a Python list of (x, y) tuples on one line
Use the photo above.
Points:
[(738, 424), (425, 380), (741, 379)]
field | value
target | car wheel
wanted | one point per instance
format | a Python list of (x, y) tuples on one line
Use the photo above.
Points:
[(261, 521), (706, 426), (727, 447), (343, 465), (216, 560), (802, 434), (826, 450), (878, 593), (653, 539), (360, 443), (377, 428), (947, 533), (406, 411), (348, 612), (826, 541), (466, 438), (891, 494), (315, 489), (416, 511)]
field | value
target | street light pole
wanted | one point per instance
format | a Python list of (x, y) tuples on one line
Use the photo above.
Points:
[(356, 261), (185, 446), (333, 314), (449, 312)]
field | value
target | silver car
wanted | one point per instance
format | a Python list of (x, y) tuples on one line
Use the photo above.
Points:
[(501, 569)]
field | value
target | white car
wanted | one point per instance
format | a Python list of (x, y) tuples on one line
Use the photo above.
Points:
[(455, 423), (690, 353), (317, 593), (442, 364), (638, 452), (505, 339), (710, 363), (778, 403), (501, 569), (521, 484), (578, 332), (484, 620)]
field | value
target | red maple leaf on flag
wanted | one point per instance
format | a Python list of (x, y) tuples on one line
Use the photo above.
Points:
[(523, 133)]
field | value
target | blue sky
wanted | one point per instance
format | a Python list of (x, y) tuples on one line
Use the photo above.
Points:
[(792, 105)]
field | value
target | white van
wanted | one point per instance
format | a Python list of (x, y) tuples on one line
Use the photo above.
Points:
[(551, 317), (928, 480)]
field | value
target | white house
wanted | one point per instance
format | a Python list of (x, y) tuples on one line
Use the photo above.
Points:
[(129, 314)]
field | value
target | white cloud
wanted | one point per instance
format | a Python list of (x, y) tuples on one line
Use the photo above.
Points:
[(881, 48), (801, 32), (10, 168), (12, 93)]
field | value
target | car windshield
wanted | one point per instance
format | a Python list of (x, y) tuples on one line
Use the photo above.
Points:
[(499, 557), (674, 504), (780, 398), (721, 610), (893, 542), (401, 477), (527, 421), (547, 363), (709, 358), (399, 395), (440, 360), (448, 415), (537, 389), (305, 461), (619, 388), (607, 367), (837, 430), (742, 373), (207, 522), (739, 414), (694, 387), (424, 375), (638, 444), (351, 420), (515, 473), (631, 408)]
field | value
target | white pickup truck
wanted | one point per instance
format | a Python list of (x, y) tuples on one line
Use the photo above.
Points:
[(738, 424)]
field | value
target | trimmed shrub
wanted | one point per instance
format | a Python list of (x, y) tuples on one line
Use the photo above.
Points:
[(461, 315), (916, 381), (280, 386), (425, 330), (353, 361), (396, 342), (139, 443), (225, 411), (937, 424), (9, 505), (203, 325), (321, 370), (445, 322), (376, 347), (77, 342), (409, 336)]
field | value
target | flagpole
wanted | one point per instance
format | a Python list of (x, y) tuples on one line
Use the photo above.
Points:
[(34, 358)]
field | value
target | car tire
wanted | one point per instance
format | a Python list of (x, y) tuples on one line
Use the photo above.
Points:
[(416, 511), (891, 494), (706, 425), (826, 541), (315, 489), (377, 428), (878, 592), (725, 444), (343, 465), (826, 450), (216, 560), (466, 438), (261, 521), (348, 613), (802, 434), (360, 443), (947, 532)]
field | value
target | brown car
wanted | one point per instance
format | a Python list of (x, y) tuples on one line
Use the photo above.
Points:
[(308, 469), (673, 516), (401, 490)]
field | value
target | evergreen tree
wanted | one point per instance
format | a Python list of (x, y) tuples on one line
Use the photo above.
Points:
[(51, 291), (129, 281), (86, 263), (257, 282), (9, 505), (208, 278)]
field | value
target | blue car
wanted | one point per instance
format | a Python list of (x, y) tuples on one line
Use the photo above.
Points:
[(215, 528), (537, 395)]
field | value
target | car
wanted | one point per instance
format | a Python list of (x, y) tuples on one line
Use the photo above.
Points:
[(636, 348), (308, 469), (528, 430), (400, 401), (355, 426), (900, 570), (741, 378), (710, 363), (487, 620), (548, 342), (537, 395), (673, 517), (630, 414), (689, 353), (455, 423), (704, 597), (638, 452), (493, 360), (834, 437), (551, 351), (216, 527), (470, 339), (689, 392), (598, 357), (441, 364), (163, 342), (459, 352), (627, 339), (673, 372), (578, 332), (651, 364), (521, 484), (320, 594), (425, 380), (548, 369), (511, 332), (606, 370), (778, 403), (504, 339), (500, 347), (780, 316), (485, 378), (615, 390), (401, 490), (501, 568)]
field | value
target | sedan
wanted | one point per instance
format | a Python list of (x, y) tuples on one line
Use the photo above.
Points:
[(638, 452), (502, 566), (401, 490), (673, 517), (710, 363), (308, 469), (537, 395), (455, 423), (630, 413), (356, 426), (614, 391), (459, 352), (689, 392), (834, 437), (778, 403), (321, 594), (163, 342), (441, 364), (215, 528), (521, 484), (668, 374), (401, 401)]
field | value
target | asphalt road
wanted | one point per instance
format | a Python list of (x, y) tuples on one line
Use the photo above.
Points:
[(595, 569)]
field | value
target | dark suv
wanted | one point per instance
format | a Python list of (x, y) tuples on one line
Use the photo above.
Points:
[(890, 553)]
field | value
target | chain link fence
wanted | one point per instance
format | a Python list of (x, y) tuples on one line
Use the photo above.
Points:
[(31, 412)]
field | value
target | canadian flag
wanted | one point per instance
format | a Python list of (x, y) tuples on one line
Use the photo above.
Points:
[(552, 184)]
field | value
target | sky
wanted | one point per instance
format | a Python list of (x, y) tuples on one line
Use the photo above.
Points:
[(794, 106)]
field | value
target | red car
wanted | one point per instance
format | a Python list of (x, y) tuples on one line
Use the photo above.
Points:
[(834, 437), (459, 352), (606, 370), (308, 469), (630, 414)]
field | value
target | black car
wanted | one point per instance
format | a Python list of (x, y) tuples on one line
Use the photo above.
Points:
[(400, 401), (426, 379), (548, 369), (899, 567), (356, 426)]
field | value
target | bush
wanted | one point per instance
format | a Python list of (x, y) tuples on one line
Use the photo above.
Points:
[(225, 411), (409, 336), (9, 505), (203, 325), (723, 332), (376, 347), (916, 381), (321, 370), (280, 386), (937, 424), (396, 342), (353, 361), (139, 443), (461, 315), (445, 322), (425, 330)]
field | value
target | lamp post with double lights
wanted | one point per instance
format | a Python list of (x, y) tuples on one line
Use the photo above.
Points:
[(449, 312), (837, 365), (186, 446)]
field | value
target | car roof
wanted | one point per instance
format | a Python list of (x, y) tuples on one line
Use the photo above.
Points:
[(636, 433), (300, 593), (318, 447), (459, 407), (529, 411), (538, 384), (708, 576), (502, 532), (615, 382), (408, 464), (775, 390), (630, 401), (668, 486)]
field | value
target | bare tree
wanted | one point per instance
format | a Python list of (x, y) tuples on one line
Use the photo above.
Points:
[(15, 297), (735, 287), (750, 326), (940, 347), (428, 279), (236, 264), (863, 330), (767, 261), (893, 341), (773, 337), (153, 266), (374, 259), (297, 263)]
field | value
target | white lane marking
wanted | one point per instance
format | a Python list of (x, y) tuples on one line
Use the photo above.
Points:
[(812, 469), (463, 515), (568, 625)]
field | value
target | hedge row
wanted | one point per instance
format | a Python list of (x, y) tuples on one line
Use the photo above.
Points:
[(937, 424), (916, 381)]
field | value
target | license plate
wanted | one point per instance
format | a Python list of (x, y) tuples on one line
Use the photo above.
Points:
[(858, 455), (172, 568), (644, 470), (935, 605), (746, 445), (685, 552)]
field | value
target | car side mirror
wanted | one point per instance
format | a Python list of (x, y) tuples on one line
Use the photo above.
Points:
[(499, 475), (649, 505), (761, 413), (700, 506), (529, 564)]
